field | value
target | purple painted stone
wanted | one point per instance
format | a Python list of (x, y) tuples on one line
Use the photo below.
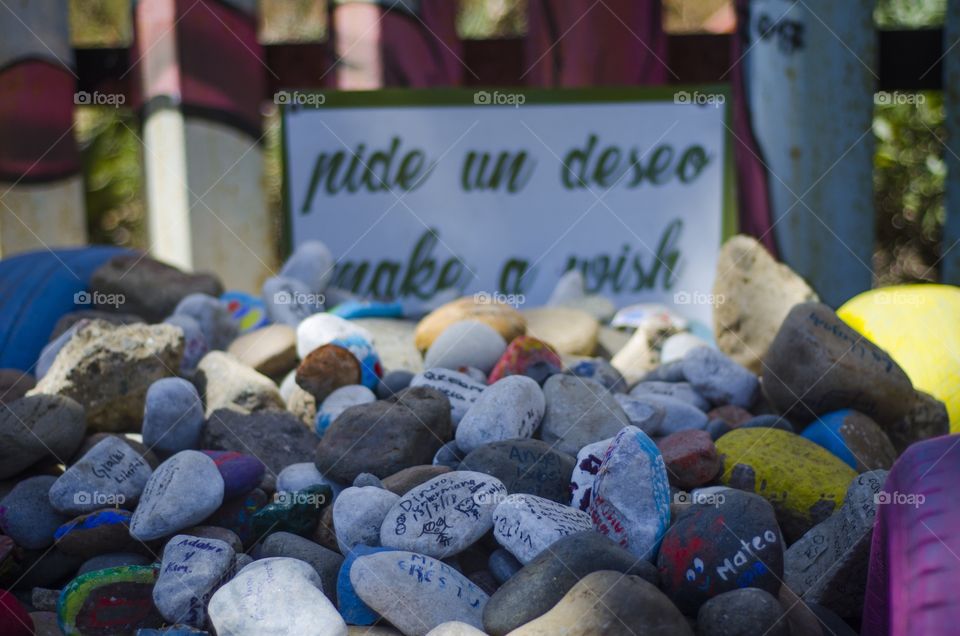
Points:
[(241, 472)]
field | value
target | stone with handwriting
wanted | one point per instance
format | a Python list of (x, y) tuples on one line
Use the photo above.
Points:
[(416, 592), (525, 465), (459, 388), (444, 515), (526, 525), (190, 571), (509, 409), (109, 474)]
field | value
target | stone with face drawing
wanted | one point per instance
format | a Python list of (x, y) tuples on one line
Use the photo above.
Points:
[(730, 543)]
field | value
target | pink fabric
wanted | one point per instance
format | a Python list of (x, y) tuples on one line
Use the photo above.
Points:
[(915, 554), (589, 43)]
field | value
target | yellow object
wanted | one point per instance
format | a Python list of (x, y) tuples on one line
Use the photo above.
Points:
[(919, 326)]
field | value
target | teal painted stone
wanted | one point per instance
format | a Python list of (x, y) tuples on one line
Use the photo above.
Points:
[(294, 512)]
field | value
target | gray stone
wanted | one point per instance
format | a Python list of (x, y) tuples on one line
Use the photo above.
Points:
[(172, 417), (509, 409), (190, 571), (26, 515), (194, 343), (109, 474), (107, 369), (828, 564), (525, 466), (274, 597), (444, 515), (324, 328), (33, 428), (214, 319), (326, 563), (301, 476), (459, 388), (719, 379), (276, 438), (540, 585), (502, 565), (449, 455), (468, 343), (289, 301), (367, 479), (526, 525), (311, 263), (677, 415), (182, 492), (339, 401), (226, 383), (642, 413), (416, 592), (49, 352), (682, 391), (579, 412), (743, 612), (358, 514), (393, 382)]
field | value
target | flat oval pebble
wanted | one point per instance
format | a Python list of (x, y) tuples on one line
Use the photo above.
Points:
[(109, 474), (443, 516), (525, 466), (274, 597), (95, 533), (190, 570), (509, 409), (416, 592), (182, 492), (712, 548), (340, 400), (526, 524), (642, 413), (358, 514), (26, 515), (325, 562), (854, 438), (326, 369), (719, 379), (631, 494), (459, 388), (172, 416), (682, 391), (106, 602), (241, 472), (38, 426), (804, 482), (579, 412), (468, 343), (529, 356), (506, 320), (677, 414)]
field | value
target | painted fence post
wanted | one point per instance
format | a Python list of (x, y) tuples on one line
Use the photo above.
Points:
[(202, 77), (811, 88), (41, 189), (950, 263)]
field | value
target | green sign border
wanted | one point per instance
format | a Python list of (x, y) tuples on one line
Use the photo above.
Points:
[(413, 97)]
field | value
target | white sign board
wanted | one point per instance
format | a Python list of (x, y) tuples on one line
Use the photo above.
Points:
[(503, 192)]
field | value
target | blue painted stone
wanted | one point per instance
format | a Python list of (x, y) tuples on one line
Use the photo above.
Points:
[(367, 309), (825, 432), (241, 472), (601, 371), (768, 421), (294, 512), (247, 310), (370, 369), (354, 610)]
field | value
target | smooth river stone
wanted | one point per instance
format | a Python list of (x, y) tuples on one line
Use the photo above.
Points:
[(677, 415), (527, 356), (717, 547), (510, 409), (445, 515), (106, 602), (468, 343), (351, 606), (526, 525), (854, 438), (172, 416), (506, 320), (96, 533), (642, 413), (38, 426), (26, 515), (416, 592), (324, 328), (828, 565), (600, 371), (288, 301), (216, 323), (682, 391), (459, 388), (182, 492), (691, 458), (579, 412), (631, 493), (358, 514), (109, 474), (526, 466), (326, 562), (818, 364), (804, 482), (270, 350), (241, 472), (274, 597), (536, 588), (294, 512), (742, 612), (326, 369), (569, 331), (385, 436), (585, 473), (302, 476), (311, 263), (719, 379), (612, 604), (190, 571), (339, 401), (276, 438), (225, 382)]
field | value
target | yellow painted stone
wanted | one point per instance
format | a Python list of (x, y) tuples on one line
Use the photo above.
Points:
[(508, 322), (804, 482), (919, 326)]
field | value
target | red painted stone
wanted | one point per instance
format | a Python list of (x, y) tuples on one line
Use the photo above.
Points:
[(527, 356), (14, 618), (691, 458)]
